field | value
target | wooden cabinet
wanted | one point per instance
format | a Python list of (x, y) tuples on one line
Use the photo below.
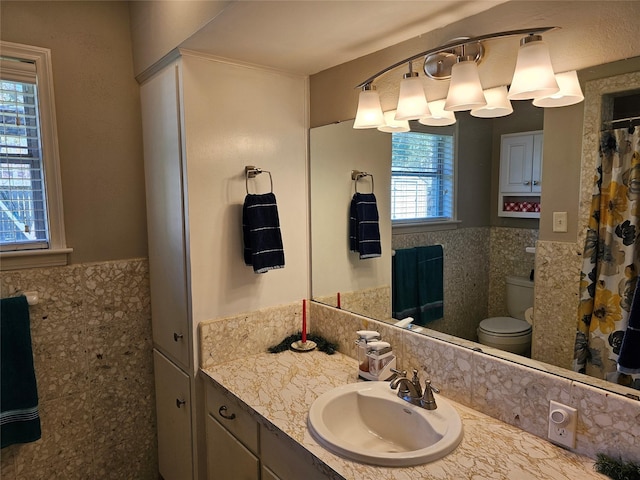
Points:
[(238, 447), (227, 457), (232, 439), (520, 175), (173, 406), (171, 323)]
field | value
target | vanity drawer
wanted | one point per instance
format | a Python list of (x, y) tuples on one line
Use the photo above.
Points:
[(228, 413)]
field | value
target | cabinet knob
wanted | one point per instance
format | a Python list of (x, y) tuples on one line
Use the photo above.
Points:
[(177, 336), (527, 182), (180, 403), (223, 413), (536, 182)]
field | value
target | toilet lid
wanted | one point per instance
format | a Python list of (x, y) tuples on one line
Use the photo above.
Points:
[(505, 326)]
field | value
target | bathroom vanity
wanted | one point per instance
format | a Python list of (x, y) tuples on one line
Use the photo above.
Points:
[(257, 418)]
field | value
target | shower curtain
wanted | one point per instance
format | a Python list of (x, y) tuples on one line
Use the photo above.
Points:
[(611, 257)]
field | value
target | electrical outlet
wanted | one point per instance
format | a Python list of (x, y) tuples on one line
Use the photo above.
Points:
[(559, 221), (563, 421)]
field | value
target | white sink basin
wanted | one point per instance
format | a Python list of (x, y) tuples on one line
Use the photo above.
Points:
[(367, 422)]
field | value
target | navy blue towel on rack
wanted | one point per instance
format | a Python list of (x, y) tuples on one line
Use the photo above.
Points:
[(364, 229), (629, 358), (19, 416), (418, 284), (261, 233)]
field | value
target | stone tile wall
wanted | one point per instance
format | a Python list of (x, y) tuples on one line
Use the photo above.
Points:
[(91, 336)]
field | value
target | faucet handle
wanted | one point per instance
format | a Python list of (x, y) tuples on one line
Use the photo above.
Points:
[(399, 373), (428, 401)]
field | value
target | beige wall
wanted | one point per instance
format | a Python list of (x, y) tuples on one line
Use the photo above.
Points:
[(336, 150), (157, 27), (98, 115)]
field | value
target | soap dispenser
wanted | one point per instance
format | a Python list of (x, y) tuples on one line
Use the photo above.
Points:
[(362, 345), (381, 360)]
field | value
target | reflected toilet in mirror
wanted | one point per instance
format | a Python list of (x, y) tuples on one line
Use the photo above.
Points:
[(512, 334)]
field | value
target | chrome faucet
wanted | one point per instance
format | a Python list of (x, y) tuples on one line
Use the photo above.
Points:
[(411, 390)]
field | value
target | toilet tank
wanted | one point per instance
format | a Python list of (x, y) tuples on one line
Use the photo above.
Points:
[(519, 295)]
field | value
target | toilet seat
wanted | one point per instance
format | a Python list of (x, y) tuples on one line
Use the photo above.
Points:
[(505, 326)]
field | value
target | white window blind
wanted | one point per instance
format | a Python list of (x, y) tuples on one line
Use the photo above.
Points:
[(422, 174), (23, 209)]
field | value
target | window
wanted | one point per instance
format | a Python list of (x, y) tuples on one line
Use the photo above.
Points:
[(422, 177), (31, 224)]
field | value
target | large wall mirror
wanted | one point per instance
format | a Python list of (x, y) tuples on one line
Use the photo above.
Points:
[(481, 248)]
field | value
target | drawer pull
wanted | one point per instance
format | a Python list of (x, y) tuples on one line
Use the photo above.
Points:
[(223, 413), (180, 403), (177, 336)]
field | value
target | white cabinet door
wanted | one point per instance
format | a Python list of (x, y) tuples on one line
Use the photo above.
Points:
[(536, 165), (516, 163), (165, 215), (173, 408), (227, 458)]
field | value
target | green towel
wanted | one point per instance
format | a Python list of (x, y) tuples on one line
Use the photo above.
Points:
[(404, 273), (430, 284), (417, 284), (19, 417)]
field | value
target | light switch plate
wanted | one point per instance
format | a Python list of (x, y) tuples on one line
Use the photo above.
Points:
[(559, 221)]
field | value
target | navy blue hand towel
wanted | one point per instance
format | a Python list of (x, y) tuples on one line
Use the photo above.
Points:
[(364, 229), (629, 358), (261, 233), (19, 417)]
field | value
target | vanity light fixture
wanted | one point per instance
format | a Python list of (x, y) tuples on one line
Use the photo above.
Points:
[(533, 77), (439, 116), (412, 102), (369, 113), (465, 89), (458, 60), (498, 105), (391, 125), (570, 92)]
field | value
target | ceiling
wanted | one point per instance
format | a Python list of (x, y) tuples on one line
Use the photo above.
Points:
[(308, 36)]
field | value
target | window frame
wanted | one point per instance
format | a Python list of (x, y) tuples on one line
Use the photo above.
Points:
[(441, 223), (57, 251)]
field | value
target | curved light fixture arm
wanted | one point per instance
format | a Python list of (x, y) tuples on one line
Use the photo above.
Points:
[(456, 44)]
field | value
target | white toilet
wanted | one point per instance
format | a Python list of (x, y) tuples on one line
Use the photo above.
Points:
[(513, 333)]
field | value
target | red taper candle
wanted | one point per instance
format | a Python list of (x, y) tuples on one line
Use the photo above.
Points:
[(304, 321)]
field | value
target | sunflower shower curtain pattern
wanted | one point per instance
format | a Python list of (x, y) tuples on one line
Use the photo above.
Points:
[(611, 257)]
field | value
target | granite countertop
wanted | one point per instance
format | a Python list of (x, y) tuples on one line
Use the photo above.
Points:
[(281, 388)]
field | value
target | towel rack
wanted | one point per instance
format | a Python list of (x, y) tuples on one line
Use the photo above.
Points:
[(357, 175), (251, 171), (33, 298)]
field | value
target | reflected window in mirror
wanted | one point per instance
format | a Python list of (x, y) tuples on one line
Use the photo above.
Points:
[(422, 177)]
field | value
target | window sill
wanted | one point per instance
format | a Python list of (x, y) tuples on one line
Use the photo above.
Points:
[(422, 226), (34, 258)]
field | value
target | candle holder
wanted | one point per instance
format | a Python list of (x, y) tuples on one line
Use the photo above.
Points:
[(301, 346)]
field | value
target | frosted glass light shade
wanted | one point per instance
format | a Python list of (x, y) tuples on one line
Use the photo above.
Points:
[(391, 125), (369, 114), (570, 92), (498, 105), (465, 89), (533, 76), (412, 103), (439, 116)]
